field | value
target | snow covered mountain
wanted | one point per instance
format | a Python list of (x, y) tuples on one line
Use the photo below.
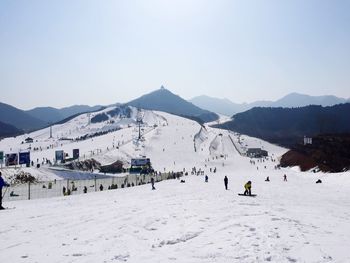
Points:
[(107, 129), (195, 221), (185, 222)]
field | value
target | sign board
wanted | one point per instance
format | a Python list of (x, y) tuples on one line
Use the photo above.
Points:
[(1, 157), (140, 162), (59, 156), (11, 159), (24, 158), (75, 154)]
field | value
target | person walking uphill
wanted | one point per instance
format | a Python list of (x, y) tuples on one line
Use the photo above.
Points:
[(248, 188), (2, 184), (152, 183), (226, 182)]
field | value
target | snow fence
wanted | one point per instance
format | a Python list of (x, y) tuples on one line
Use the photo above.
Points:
[(57, 188)]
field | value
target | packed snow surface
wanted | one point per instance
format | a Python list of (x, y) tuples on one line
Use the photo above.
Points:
[(293, 221)]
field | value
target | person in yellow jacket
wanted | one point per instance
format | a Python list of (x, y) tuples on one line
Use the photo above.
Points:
[(248, 188)]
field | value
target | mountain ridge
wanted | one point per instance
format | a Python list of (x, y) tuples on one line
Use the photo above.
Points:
[(19, 118), (7, 130), (53, 115), (291, 100), (287, 126), (164, 100)]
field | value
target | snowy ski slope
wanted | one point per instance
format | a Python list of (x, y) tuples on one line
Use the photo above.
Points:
[(294, 221)]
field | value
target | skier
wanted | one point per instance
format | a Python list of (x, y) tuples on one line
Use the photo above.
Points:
[(226, 182), (85, 190), (2, 184), (101, 187), (206, 178), (152, 182), (248, 188), (267, 179), (285, 177), (64, 190)]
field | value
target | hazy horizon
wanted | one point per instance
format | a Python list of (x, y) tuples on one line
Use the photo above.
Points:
[(188, 99), (90, 52)]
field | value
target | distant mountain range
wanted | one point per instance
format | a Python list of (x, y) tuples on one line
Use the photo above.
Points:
[(287, 126), (7, 130), (53, 115), (14, 121), (19, 119), (292, 100), (163, 100)]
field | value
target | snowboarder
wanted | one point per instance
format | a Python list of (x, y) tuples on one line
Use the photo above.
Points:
[(319, 181), (152, 182), (101, 187), (267, 179), (2, 184), (248, 188), (85, 190), (206, 178), (64, 190), (285, 177), (226, 182)]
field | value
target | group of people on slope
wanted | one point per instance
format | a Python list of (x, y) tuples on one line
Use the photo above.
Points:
[(247, 186), (284, 178)]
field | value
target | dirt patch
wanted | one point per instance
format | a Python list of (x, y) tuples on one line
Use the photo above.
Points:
[(330, 153)]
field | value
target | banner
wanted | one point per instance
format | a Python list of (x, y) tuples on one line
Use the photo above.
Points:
[(1, 157), (24, 158), (59, 156), (75, 154), (11, 159), (140, 162)]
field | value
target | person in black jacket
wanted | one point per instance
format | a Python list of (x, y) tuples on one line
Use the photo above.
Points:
[(152, 183), (2, 184), (226, 182)]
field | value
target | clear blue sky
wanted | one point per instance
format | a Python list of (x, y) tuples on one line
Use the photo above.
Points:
[(58, 53)]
